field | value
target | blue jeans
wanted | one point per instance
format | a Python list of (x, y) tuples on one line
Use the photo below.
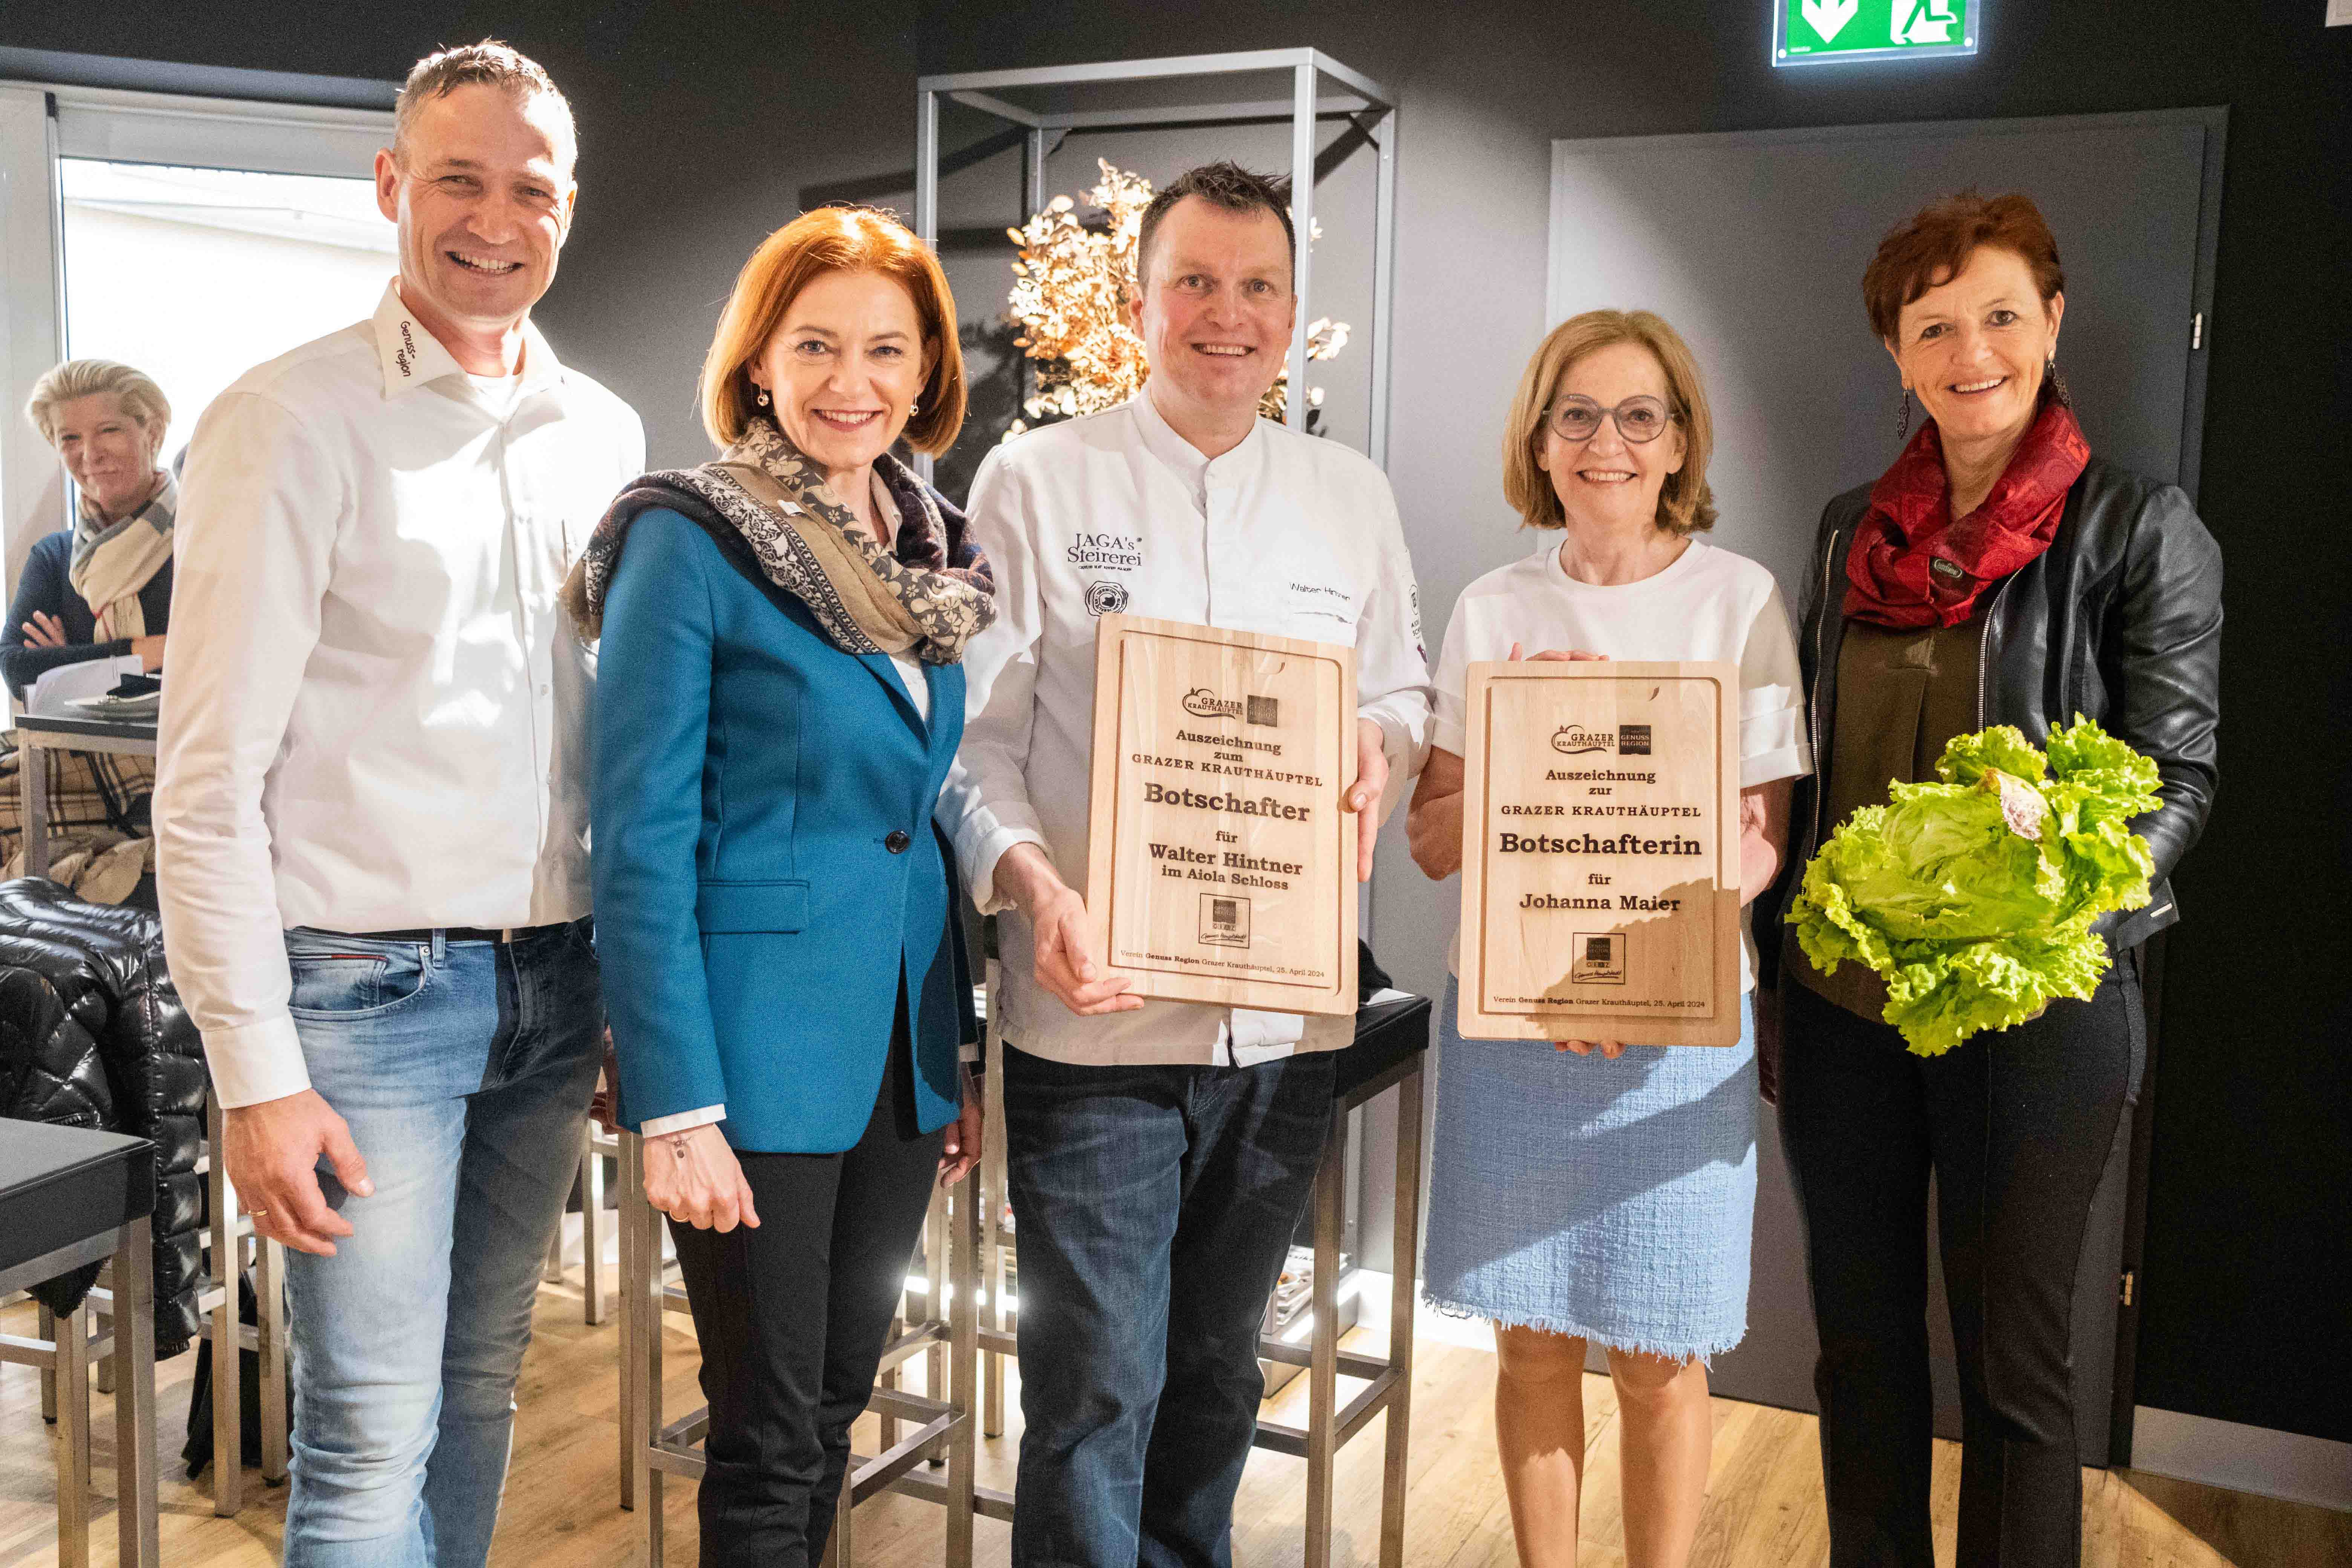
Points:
[(464, 1069), (1156, 1207)]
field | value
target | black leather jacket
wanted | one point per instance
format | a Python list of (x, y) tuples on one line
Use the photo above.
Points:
[(2119, 619), (92, 1035)]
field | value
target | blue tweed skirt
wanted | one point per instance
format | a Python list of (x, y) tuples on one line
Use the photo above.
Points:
[(1611, 1200)]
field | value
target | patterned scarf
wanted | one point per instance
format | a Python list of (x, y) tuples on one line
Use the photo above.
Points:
[(930, 592), (1912, 564), (112, 562)]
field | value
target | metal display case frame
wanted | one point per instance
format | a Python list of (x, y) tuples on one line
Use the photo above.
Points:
[(1365, 102)]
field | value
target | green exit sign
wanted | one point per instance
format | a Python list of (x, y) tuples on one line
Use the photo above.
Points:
[(1818, 32)]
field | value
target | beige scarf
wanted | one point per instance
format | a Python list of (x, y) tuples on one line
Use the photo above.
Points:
[(929, 592), (113, 562)]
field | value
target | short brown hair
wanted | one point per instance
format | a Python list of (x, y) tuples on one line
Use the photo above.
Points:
[(133, 390), (1223, 183), (1933, 247), (1685, 504), (487, 64), (833, 239)]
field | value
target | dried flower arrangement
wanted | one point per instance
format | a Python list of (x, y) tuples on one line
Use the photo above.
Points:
[(1070, 286)]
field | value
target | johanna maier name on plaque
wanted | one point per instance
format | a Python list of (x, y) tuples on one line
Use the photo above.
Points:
[(1600, 853), (1220, 866)]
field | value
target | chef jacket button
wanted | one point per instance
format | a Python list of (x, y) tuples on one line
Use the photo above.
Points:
[(897, 841)]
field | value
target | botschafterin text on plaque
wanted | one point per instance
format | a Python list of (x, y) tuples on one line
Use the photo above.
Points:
[(1600, 853)]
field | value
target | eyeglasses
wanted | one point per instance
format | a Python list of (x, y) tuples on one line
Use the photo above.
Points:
[(1639, 419)]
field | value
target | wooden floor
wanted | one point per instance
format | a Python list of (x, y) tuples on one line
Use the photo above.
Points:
[(1764, 1507)]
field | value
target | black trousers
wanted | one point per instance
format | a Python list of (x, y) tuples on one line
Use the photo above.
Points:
[(2017, 1127), (793, 1316)]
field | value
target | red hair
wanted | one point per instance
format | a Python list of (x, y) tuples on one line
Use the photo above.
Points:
[(1934, 245), (833, 239)]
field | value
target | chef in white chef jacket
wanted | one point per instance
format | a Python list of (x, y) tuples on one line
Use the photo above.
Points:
[(1161, 1153)]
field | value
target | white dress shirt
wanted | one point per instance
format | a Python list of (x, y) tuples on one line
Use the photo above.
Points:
[(374, 714), (1288, 534)]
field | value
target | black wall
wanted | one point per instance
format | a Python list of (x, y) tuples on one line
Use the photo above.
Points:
[(700, 123)]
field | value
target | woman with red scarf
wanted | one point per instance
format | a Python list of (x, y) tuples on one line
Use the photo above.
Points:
[(1997, 573)]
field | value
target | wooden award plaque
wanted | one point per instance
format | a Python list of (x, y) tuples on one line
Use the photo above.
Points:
[(1219, 865), (1600, 853)]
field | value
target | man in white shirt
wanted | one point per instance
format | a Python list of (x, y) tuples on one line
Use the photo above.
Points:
[(371, 814), (1161, 1153)]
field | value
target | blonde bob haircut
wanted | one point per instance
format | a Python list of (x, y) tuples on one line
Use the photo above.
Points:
[(833, 239), (1686, 505), (133, 390)]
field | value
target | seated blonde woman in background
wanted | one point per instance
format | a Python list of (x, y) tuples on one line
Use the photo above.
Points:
[(1608, 1197), (103, 586)]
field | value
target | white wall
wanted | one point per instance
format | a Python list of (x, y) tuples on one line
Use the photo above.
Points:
[(196, 307)]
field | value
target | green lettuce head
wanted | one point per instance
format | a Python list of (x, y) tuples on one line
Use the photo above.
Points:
[(1974, 898)]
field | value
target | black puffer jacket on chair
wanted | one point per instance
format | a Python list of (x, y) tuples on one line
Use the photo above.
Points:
[(92, 1035)]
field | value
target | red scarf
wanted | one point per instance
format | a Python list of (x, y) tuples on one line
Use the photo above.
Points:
[(1912, 565)]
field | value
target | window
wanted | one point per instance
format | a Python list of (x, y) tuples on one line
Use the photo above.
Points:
[(192, 238)]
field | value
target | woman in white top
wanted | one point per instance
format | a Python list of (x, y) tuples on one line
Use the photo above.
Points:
[(1603, 1191)]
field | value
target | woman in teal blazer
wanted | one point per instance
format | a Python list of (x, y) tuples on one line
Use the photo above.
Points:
[(778, 701)]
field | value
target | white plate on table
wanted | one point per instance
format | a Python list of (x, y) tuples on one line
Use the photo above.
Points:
[(118, 709)]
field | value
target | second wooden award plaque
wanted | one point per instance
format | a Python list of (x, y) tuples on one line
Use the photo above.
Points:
[(1600, 853), (1219, 865)]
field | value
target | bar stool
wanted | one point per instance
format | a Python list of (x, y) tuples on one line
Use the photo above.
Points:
[(1389, 1052), (596, 1146), (653, 1448), (227, 1234), (72, 1197), (1391, 1048)]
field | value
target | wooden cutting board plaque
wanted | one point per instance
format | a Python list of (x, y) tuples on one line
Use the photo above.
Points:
[(1600, 853), (1219, 866)]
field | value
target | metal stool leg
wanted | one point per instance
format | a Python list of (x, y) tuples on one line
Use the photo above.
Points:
[(963, 1345), (630, 1294), (553, 1273), (1404, 1251), (839, 1552), (592, 1229), (228, 1359), (935, 1292), (1323, 1369), (270, 1285), (46, 1327), (134, 1404), (992, 1198), (647, 1358), (72, 1341)]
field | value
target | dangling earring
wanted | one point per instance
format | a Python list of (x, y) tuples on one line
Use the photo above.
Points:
[(762, 399), (2057, 383), (1903, 421), (913, 409)]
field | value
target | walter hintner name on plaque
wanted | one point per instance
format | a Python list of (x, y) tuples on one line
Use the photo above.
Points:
[(1600, 866), (1220, 866)]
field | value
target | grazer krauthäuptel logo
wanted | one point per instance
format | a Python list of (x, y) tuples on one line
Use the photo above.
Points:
[(1202, 703), (1626, 740)]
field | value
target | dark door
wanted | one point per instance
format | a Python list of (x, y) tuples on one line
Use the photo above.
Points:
[(1753, 246)]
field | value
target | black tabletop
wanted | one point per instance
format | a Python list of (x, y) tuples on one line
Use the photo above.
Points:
[(1387, 1033), (59, 1185)]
